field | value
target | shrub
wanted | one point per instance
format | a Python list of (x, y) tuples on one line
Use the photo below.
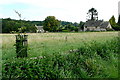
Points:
[(92, 60)]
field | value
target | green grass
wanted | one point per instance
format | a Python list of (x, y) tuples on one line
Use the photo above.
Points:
[(63, 55)]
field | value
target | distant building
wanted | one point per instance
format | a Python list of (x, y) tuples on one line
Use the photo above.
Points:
[(39, 29), (93, 24), (98, 25)]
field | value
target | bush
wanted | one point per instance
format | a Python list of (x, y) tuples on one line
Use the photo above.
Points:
[(92, 60)]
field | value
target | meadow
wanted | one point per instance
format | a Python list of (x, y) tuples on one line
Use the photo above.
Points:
[(62, 55)]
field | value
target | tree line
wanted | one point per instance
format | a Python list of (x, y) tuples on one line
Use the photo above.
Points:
[(11, 26), (53, 25), (50, 24)]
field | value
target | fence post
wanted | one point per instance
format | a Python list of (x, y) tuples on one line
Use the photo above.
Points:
[(21, 45)]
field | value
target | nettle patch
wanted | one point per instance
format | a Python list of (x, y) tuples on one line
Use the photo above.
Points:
[(92, 60)]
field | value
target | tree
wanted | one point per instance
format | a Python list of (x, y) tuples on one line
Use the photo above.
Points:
[(10, 25), (76, 24), (112, 20), (92, 14), (51, 24), (113, 23), (81, 25)]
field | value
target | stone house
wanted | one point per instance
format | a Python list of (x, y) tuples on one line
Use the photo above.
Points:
[(39, 29), (98, 25)]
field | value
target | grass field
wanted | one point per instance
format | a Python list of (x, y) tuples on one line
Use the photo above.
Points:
[(63, 55)]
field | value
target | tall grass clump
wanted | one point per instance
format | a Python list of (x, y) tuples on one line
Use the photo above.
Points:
[(92, 60)]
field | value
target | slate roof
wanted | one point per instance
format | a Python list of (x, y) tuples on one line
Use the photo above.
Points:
[(93, 23), (98, 23), (39, 27), (104, 24)]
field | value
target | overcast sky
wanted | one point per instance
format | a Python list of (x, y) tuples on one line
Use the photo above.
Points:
[(65, 10)]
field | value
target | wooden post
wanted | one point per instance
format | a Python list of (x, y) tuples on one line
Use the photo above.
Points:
[(21, 45)]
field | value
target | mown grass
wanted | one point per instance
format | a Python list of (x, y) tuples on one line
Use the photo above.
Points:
[(63, 55)]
